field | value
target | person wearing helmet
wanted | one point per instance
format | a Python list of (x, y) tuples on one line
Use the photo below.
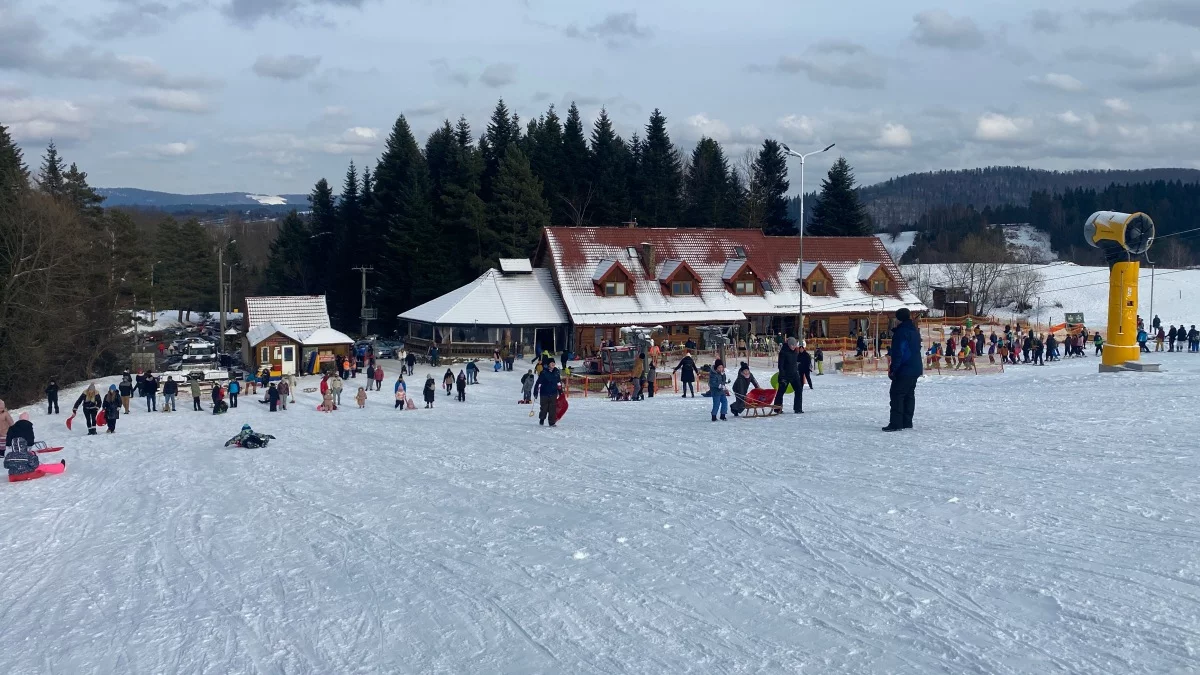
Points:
[(248, 438)]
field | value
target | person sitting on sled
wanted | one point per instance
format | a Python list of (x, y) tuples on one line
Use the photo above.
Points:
[(248, 438), (614, 392), (20, 454), (21, 430)]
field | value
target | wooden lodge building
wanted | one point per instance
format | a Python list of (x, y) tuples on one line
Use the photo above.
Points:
[(594, 281)]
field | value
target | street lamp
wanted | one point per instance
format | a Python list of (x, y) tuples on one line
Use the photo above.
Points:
[(221, 287), (800, 328)]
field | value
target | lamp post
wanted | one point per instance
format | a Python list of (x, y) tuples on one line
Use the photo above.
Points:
[(153, 316), (800, 314), (221, 287)]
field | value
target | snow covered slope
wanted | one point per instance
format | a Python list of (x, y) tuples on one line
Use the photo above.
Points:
[(634, 538), (897, 245), (1029, 244)]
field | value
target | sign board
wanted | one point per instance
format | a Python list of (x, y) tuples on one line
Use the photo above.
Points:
[(1074, 318)]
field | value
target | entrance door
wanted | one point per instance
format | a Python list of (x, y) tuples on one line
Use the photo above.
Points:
[(543, 339), (288, 360)]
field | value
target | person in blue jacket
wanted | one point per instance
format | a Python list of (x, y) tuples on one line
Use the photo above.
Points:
[(904, 371), (235, 388), (547, 389)]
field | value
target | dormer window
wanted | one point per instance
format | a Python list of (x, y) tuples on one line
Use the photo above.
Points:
[(745, 287), (879, 286), (615, 288), (681, 287), (611, 279), (816, 287), (678, 278)]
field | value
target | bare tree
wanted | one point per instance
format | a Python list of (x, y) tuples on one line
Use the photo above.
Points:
[(983, 268)]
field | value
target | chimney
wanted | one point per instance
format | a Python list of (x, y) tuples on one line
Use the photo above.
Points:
[(648, 259), (631, 223)]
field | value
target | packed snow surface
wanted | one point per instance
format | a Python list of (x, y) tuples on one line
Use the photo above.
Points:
[(268, 200), (898, 244), (1028, 244), (1046, 520)]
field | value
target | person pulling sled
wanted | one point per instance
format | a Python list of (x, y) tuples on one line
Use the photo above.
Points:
[(248, 438)]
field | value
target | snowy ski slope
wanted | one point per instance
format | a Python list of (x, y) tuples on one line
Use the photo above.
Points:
[(1051, 532)]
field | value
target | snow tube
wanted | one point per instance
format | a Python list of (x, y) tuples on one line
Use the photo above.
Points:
[(561, 407), (101, 419), (775, 383)]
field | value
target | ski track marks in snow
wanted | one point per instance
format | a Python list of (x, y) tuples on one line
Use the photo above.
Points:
[(1027, 526)]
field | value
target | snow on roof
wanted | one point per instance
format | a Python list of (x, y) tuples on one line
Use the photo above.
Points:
[(578, 253), (325, 336), (265, 330), (732, 268), (805, 269), (669, 267), (297, 312), (866, 269), (496, 299), (602, 269), (516, 266)]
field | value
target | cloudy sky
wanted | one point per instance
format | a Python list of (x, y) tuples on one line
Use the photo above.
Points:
[(270, 95)]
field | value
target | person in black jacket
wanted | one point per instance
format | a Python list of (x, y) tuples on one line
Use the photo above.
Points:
[(547, 389), (90, 400), (21, 429), (688, 377), (273, 397), (112, 408), (804, 365), (741, 386), (150, 391), (126, 390), (52, 398), (789, 374), (170, 390), (904, 371)]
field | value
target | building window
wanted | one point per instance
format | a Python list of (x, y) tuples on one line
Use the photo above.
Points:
[(265, 354), (612, 288), (739, 251), (681, 288), (816, 287), (818, 328), (744, 288), (879, 286)]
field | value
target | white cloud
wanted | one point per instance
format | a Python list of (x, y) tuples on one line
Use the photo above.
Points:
[(175, 149), (171, 100), (1087, 122), (701, 125), (1058, 81), (938, 28), (498, 75), (799, 127), (41, 119), (360, 135), (997, 128), (1118, 106), (837, 63), (894, 136)]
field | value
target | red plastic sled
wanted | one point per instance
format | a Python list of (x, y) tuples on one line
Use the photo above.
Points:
[(42, 451), (40, 472), (101, 419), (561, 408), (70, 420), (760, 403)]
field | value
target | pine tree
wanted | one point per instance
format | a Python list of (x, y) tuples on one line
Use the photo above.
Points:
[(838, 212), (633, 176), (458, 213), (50, 180), (577, 189), (13, 174), (709, 199), (81, 195), (768, 190), (517, 212), (610, 160), (324, 259), (367, 191), (660, 176), (502, 131), (546, 159), (288, 272)]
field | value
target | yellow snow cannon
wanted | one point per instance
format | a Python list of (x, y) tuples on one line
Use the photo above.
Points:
[(1123, 237)]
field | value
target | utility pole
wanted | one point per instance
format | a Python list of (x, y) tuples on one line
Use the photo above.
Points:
[(221, 291), (365, 314)]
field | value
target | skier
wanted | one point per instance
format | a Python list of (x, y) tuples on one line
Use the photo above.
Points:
[(378, 379), (126, 390), (90, 400), (235, 388), (248, 438), (904, 371), (285, 390), (804, 365), (461, 383), (547, 390), (336, 385), (150, 391), (52, 398), (170, 390), (527, 381), (448, 381), (718, 387), (112, 408), (430, 391), (688, 377), (361, 398), (789, 374), (741, 387), (194, 388)]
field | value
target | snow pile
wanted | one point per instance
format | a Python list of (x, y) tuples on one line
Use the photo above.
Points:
[(633, 538), (268, 200), (898, 244), (1028, 244)]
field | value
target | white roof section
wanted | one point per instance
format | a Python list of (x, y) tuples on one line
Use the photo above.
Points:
[(602, 269), (265, 330), (297, 312), (496, 299), (866, 269), (732, 267), (516, 266), (325, 336)]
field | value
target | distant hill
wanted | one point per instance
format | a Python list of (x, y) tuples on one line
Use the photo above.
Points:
[(135, 197), (902, 200)]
